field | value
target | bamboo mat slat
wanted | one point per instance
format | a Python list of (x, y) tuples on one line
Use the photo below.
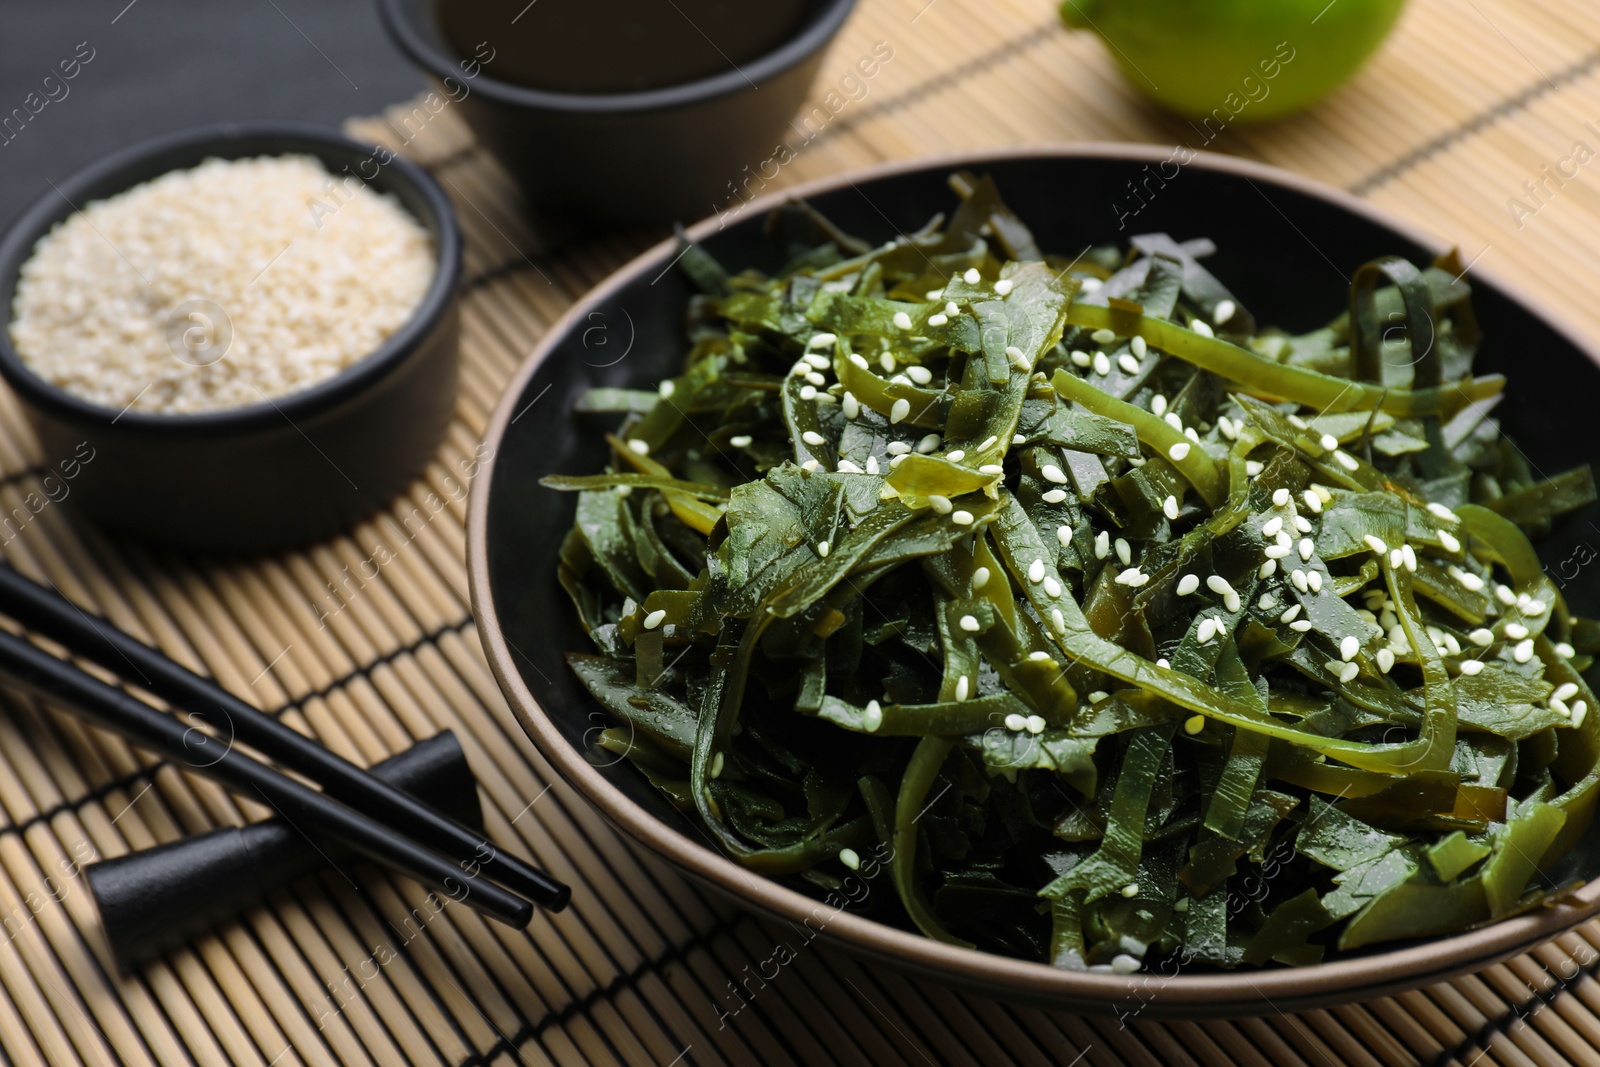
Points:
[(1467, 101)]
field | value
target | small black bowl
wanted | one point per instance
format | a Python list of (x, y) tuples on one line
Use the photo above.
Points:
[(627, 158), (266, 476)]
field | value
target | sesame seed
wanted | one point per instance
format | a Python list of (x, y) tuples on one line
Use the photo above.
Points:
[(950, 306), (1346, 460), (1003, 286), (962, 518), (1349, 647), (852, 409), (1505, 595), (1036, 571), (1348, 673), (1102, 544), (1224, 311), (1169, 506), (1052, 587), (1052, 473), (1038, 656), (1579, 710), (1470, 667), (1329, 442), (1130, 890), (902, 321), (848, 857), (1179, 451), (654, 619), (1164, 664), (1064, 535), (1036, 724), (812, 437), (941, 504), (1188, 584), (1058, 620), (811, 465), (1306, 548), (1053, 496), (1194, 724), (1410, 558), (1192, 434), (1559, 706), (1470, 582), (1443, 512), (1301, 523), (640, 448), (860, 361), (899, 411), (970, 624), (1564, 650), (962, 687), (1300, 625), (972, 276), (1158, 404), (1516, 631), (1124, 550), (1524, 650), (938, 320), (991, 469), (808, 392), (1385, 660), (872, 464), (1290, 615), (846, 467), (822, 549), (1481, 637), (1171, 419), (957, 456), (1299, 580), (1280, 498), (886, 361), (873, 717), (1267, 569), (1218, 585), (1271, 527), (1081, 358), (1253, 467), (1128, 364), (742, 441), (1102, 364), (1018, 439), (920, 375), (1207, 630), (897, 448), (1530, 606), (1314, 580), (1566, 691), (1199, 326), (929, 443), (1103, 337)]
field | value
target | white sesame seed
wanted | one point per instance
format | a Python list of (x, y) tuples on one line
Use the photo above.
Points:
[(941, 504), (1516, 631), (1036, 724), (1271, 527), (1081, 358), (1301, 523), (638, 447), (1530, 606), (962, 518), (1224, 311), (938, 320), (1058, 620), (902, 321), (1524, 650), (1158, 405), (654, 619), (1179, 451), (1206, 631), (1470, 582), (1053, 496), (1171, 419), (1314, 580), (972, 276), (970, 624), (1346, 460), (1300, 625), (951, 308), (860, 361), (1164, 664), (1280, 497), (1505, 595), (818, 362), (1016, 722), (666, 389), (1313, 502), (1130, 890), (1036, 571), (873, 718), (956, 456), (808, 392), (1410, 555), (1064, 535), (991, 469), (1103, 336), (1102, 364), (1003, 286), (1306, 548), (811, 465), (1128, 364), (1329, 442), (1188, 584), (1139, 345), (1199, 326), (848, 857), (1469, 667), (872, 464), (1443, 512), (1218, 585), (899, 410), (1481, 637), (1169, 507), (929, 443), (1038, 656), (1102, 544), (919, 374), (1276, 551), (962, 687), (1052, 587), (1448, 542), (1291, 614), (1566, 691), (1267, 569), (1348, 673), (1053, 473), (1124, 550), (741, 441), (1579, 710), (1299, 580), (812, 437), (1192, 434), (1385, 660), (886, 361), (1253, 467), (822, 549), (1018, 439), (1229, 428), (1564, 650), (1349, 647), (847, 467)]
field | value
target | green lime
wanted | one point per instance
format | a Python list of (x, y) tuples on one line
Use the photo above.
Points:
[(1236, 60)]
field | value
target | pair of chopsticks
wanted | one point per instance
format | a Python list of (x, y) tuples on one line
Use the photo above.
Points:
[(365, 813)]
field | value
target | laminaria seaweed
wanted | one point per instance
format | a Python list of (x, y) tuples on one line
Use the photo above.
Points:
[(1127, 629)]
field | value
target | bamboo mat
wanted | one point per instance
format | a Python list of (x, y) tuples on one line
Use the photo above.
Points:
[(1468, 100)]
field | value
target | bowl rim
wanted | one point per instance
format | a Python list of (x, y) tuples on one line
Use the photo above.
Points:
[(1273, 990), (21, 238), (418, 43)]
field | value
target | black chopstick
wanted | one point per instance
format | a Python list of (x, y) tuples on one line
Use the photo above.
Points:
[(307, 810), (53, 615)]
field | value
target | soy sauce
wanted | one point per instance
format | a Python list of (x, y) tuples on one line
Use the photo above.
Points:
[(618, 46)]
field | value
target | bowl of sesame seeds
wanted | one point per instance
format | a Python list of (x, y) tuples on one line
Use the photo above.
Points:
[(624, 347), (243, 337)]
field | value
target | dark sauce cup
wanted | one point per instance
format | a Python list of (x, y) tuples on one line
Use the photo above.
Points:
[(623, 158)]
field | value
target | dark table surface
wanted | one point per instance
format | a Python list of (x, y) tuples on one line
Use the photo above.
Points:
[(159, 65)]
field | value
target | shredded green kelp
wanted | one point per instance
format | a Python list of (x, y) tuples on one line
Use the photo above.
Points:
[(1130, 630)]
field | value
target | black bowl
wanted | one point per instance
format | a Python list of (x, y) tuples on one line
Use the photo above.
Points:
[(629, 332), (629, 158), (266, 476)]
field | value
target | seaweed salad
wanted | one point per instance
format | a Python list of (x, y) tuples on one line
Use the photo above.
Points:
[(1123, 627)]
